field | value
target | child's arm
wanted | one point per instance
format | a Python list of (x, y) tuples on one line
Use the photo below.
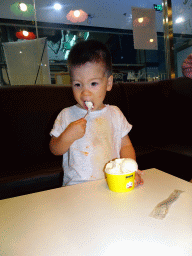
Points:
[(127, 151), (74, 131)]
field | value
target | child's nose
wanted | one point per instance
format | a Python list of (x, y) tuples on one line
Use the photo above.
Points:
[(86, 91)]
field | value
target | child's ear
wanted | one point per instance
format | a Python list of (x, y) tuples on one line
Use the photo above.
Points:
[(110, 83)]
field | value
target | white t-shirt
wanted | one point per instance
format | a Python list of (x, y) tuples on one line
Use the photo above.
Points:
[(86, 158)]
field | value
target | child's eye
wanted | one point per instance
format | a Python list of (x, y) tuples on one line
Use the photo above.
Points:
[(77, 85), (94, 84)]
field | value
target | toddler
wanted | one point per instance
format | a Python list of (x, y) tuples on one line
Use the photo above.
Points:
[(87, 144)]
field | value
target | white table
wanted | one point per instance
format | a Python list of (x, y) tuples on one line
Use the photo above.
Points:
[(89, 219)]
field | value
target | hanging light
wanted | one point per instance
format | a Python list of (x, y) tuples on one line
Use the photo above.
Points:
[(23, 7), (57, 7), (77, 13), (140, 20), (179, 20), (77, 16), (25, 35)]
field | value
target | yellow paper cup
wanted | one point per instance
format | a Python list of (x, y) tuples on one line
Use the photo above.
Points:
[(121, 182)]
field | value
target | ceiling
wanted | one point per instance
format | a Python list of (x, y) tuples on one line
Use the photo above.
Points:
[(103, 13)]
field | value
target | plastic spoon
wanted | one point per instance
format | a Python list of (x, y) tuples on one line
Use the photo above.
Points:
[(89, 105)]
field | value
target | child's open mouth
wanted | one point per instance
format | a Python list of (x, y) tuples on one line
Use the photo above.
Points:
[(88, 105)]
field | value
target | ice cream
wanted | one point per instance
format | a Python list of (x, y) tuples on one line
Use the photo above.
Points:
[(121, 166), (89, 105)]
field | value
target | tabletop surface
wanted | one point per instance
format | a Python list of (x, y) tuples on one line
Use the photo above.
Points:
[(90, 220)]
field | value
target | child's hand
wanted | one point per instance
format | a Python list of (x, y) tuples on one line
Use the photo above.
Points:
[(76, 129), (138, 179)]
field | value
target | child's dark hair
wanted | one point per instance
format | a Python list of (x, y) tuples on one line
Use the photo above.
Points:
[(90, 51)]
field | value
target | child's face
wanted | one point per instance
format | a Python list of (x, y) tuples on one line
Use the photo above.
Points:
[(90, 83)]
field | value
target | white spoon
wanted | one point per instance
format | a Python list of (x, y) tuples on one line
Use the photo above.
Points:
[(89, 105)]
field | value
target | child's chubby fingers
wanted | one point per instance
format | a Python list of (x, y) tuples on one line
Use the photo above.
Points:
[(76, 129), (81, 124), (138, 179), (81, 121), (140, 172)]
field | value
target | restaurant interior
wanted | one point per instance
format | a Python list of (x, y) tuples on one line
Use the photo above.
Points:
[(58, 25), (145, 210), (148, 42)]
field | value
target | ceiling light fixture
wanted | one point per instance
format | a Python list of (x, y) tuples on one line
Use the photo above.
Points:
[(77, 16), (77, 13), (57, 7), (25, 35), (23, 7), (179, 20)]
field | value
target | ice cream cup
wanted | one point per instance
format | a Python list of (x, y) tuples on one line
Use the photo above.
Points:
[(121, 182)]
